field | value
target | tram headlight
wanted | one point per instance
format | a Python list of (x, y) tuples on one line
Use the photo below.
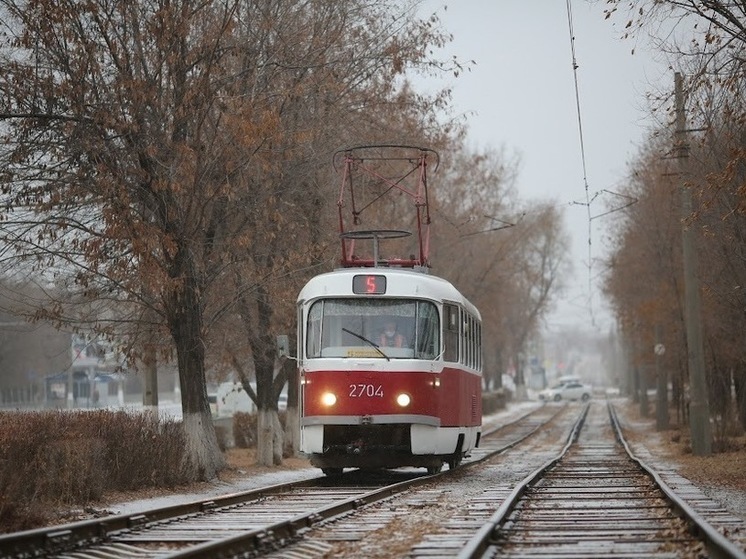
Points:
[(328, 399), (403, 400)]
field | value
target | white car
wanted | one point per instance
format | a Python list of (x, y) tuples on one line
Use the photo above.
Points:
[(573, 390)]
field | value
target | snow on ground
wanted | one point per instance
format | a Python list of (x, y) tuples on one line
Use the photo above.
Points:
[(513, 411), (733, 500)]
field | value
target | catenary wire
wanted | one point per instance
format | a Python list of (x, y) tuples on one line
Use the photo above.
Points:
[(582, 156)]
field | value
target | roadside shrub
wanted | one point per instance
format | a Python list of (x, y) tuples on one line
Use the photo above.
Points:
[(494, 401), (244, 430), (71, 471), (143, 453), (54, 458), (223, 436)]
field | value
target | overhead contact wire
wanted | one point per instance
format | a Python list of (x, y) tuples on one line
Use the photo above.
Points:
[(582, 152)]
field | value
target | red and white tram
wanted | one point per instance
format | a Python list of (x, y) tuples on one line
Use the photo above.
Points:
[(389, 355), (368, 403)]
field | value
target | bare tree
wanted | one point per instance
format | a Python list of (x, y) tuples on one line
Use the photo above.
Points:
[(539, 269), (158, 153), (706, 41), (340, 66), (508, 260), (643, 281)]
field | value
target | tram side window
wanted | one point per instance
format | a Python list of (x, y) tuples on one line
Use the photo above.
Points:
[(451, 332), (466, 341), (477, 345), (472, 342)]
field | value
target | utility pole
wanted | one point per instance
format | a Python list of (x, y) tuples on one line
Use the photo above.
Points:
[(699, 407), (661, 390), (642, 375)]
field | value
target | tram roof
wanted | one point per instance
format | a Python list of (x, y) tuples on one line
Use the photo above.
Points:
[(401, 282)]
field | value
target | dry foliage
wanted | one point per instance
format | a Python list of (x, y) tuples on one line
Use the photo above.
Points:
[(645, 278), (724, 468), (55, 459)]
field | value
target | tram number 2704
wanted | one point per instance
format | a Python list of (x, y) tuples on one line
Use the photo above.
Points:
[(366, 391)]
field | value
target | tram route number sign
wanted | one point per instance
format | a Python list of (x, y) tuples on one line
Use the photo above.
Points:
[(369, 284)]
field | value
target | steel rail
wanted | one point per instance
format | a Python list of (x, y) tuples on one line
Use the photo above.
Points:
[(56, 539), (718, 546), (49, 541), (479, 543), (279, 534)]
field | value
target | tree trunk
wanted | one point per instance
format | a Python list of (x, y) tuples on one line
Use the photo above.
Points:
[(277, 439), (521, 390), (292, 432), (739, 382), (269, 438), (267, 367), (292, 414), (150, 383), (203, 455)]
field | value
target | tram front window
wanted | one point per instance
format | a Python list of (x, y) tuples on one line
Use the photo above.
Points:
[(380, 328)]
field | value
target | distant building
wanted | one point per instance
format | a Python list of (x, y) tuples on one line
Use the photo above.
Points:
[(41, 366)]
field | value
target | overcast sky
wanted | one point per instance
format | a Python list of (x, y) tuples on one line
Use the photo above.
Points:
[(522, 94)]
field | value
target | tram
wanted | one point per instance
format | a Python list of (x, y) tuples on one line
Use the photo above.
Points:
[(389, 354)]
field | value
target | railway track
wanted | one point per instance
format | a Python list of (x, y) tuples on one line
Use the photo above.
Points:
[(596, 499), (500, 517), (556, 483), (246, 522)]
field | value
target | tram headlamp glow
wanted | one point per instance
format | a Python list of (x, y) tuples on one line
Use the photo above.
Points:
[(328, 399), (403, 400)]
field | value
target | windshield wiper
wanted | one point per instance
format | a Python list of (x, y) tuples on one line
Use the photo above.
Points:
[(367, 341)]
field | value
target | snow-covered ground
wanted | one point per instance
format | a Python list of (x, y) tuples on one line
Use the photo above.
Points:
[(254, 481), (732, 499)]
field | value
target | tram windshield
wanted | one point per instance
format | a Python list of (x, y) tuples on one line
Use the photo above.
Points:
[(382, 328)]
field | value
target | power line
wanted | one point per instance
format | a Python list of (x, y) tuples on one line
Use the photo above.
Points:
[(582, 154)]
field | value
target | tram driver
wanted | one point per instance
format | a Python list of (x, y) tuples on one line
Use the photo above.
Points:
[(390, 337)]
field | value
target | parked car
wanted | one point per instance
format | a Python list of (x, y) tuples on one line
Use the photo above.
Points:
[(573, 390), (564, 379)]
